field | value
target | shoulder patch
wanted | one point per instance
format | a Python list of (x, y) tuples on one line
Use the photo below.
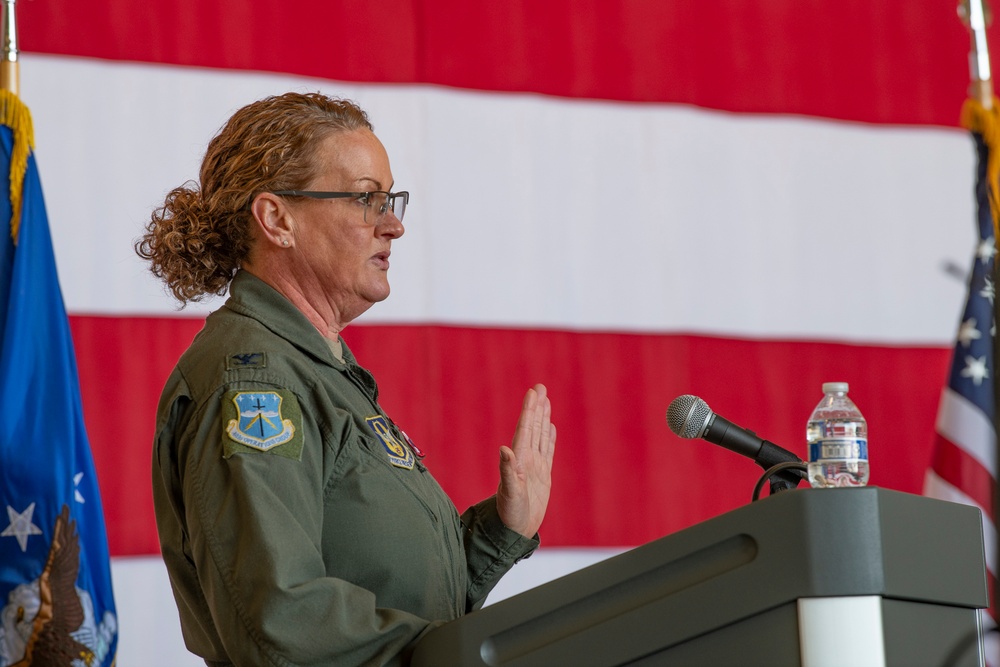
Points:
[(262, 421), (246, 360), (399, 454)]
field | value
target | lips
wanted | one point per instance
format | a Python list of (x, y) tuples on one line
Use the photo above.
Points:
[(381, 260)]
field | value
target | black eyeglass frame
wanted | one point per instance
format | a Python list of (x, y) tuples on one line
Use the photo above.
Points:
[(390, 198)]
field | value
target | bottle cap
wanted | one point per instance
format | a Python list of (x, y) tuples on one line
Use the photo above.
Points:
[(830, 387)]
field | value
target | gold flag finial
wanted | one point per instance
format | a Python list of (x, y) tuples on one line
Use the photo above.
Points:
[(976, 15), (979, 113), (10, 78), (14, 114)]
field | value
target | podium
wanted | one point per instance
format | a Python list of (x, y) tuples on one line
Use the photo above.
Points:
[(808, 577)]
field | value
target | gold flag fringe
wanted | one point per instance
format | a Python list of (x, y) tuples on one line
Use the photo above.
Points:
[(986, 123), (15, 115)]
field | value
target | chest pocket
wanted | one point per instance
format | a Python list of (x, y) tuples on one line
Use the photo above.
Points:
[(385, 445), (394, 531)]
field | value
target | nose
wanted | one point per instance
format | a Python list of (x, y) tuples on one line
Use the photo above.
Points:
[(391, 226)]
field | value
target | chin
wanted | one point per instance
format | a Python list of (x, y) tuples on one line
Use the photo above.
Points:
[(378, 293)]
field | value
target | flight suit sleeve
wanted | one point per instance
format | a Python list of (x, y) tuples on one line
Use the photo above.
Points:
[(252, 507), (491, 549)]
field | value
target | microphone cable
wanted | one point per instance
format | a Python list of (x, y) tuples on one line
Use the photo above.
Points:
[(773, 470)]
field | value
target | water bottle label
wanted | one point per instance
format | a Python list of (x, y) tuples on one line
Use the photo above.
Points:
[(839, 449)]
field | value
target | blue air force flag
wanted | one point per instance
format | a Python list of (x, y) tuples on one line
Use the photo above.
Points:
[(56, 602)]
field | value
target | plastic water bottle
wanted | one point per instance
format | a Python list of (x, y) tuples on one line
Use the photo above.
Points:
[(838, 440)]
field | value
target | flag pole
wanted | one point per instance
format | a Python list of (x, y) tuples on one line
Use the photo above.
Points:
[(13, 113), (978, 114), (10, 74), (976, 15)]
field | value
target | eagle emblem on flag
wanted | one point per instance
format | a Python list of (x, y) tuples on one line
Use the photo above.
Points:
[(50, 620)]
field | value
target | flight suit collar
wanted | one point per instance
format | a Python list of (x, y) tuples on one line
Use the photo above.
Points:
[(252, 297)]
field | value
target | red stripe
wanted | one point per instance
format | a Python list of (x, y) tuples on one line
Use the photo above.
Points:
[(894, 61), (621, 477), (123, 364), (954, 465)]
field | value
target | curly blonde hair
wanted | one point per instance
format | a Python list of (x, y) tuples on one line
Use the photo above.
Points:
[(196, 241)]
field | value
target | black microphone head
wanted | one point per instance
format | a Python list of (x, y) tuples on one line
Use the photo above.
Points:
[(688, 416)]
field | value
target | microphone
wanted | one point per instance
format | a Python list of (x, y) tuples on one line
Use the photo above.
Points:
[(690, 417)]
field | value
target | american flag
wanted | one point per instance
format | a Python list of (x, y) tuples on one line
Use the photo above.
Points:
[(963, 468)]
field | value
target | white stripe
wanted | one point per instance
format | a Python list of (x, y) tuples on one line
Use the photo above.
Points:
[(536, 211), (966, 426), (150, 627), (936, 487), (546, 564)]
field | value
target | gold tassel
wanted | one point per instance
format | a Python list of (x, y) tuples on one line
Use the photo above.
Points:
[(986, 123), (15, 115)]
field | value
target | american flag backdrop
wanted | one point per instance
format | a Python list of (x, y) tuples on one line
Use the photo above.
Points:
[(626, 200)]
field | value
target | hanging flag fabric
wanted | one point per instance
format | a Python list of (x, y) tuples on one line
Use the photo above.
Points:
[(56, 601), (963, 467)]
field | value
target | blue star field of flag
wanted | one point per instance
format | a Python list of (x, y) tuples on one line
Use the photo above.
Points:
[(972, 364)]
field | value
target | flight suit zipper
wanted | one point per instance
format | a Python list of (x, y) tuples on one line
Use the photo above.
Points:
[(457, 574)]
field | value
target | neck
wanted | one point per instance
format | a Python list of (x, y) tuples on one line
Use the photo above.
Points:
[(323, 311)]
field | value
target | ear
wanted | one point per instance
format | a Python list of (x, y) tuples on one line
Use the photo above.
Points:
[(274, 221)]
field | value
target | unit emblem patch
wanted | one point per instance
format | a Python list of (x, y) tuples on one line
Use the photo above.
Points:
[(399, 454), (262, 421)]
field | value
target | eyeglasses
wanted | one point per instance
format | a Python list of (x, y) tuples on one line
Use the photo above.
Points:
[(379, 200)]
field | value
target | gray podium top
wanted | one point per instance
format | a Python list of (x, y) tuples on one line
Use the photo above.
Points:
[(796, 544)]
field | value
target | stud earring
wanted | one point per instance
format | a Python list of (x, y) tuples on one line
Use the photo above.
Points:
[(285, 243)]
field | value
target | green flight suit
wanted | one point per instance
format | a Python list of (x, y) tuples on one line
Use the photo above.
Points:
[(296, 524)]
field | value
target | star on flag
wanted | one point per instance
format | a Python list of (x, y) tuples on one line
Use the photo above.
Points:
[(969, 332), (975, 369), (989, 290), (76, 488), (986, 250), (21, 526)]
